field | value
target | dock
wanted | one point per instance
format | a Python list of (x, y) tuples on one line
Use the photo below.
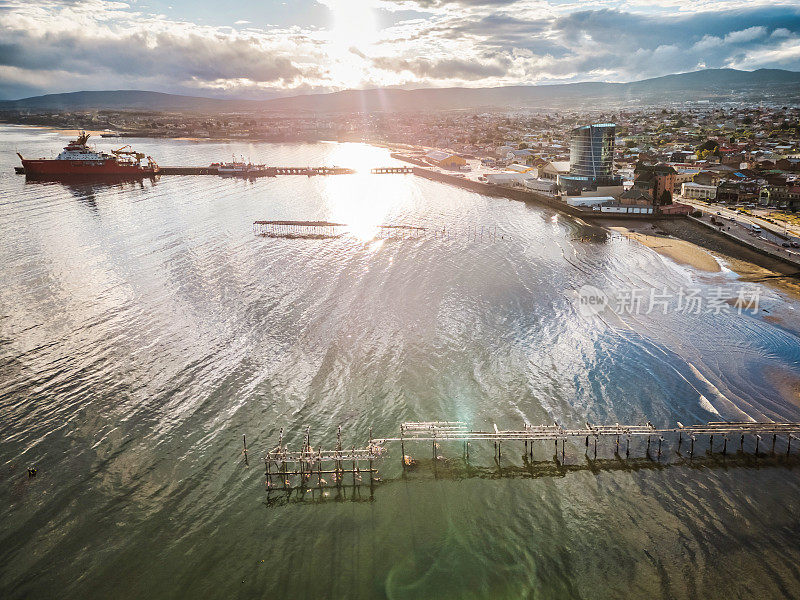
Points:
[(391, 170), (339, 466), (265, 172)]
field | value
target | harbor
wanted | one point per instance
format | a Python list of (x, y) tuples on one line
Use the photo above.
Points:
[(153, 328)]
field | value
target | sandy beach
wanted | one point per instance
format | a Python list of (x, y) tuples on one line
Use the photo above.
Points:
[(691, 244), (678, 250)]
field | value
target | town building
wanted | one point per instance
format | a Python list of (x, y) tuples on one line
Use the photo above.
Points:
[(542, 186), (697, 191), (445, 160), (591, 153), (658, 179)]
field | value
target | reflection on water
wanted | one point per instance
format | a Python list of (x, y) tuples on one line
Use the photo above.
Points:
[(140, 339)]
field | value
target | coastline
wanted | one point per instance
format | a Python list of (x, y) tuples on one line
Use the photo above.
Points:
[(688, 243)]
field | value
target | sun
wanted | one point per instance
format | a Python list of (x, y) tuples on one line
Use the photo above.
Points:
[(350, 39)]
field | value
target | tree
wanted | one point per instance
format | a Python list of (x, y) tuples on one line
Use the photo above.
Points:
[(665, 198)]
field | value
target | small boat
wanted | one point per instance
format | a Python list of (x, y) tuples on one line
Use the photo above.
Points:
[(237, 167)]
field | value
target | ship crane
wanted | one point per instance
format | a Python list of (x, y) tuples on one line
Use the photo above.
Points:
[(128, 152)]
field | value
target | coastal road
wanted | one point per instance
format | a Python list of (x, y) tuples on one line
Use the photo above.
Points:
[(781, 232), (739, 226)]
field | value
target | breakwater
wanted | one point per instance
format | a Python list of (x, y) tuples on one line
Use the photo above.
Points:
[(530, 197)]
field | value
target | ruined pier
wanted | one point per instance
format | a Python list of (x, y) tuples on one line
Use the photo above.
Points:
[(311, 468)]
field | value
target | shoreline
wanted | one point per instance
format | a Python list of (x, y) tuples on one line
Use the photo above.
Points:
[(692, 244)]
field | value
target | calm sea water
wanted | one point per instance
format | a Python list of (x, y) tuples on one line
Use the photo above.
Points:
[(144, 329)]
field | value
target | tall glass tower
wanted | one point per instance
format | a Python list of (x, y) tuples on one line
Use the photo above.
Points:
[(591, 153)]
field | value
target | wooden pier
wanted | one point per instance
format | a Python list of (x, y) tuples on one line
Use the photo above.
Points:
[(265, 172), (310, 171), (318, 468), (391, 170), (309, 467), (436, 432), (300, 229), (328, 229)]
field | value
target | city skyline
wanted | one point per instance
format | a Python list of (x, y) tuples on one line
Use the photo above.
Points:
[(273, 49)]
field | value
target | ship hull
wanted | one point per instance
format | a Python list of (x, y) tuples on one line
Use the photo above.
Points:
[(85, 169)]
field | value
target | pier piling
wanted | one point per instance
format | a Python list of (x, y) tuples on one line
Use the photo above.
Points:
[(297, 468)]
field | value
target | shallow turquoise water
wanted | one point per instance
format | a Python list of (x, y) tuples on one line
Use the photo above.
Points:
[(144, 329)]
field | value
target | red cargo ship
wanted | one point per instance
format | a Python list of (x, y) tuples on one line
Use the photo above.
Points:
[(78, 160)]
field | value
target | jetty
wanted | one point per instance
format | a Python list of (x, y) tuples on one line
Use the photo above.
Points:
[(265, 172), (391, 170), (309, 467)]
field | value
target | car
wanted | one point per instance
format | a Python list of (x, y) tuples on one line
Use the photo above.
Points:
[(731, 219), (719, 212), (795, 244), (786, 245)]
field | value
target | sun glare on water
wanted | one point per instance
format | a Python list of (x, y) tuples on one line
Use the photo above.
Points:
[(363, 201)]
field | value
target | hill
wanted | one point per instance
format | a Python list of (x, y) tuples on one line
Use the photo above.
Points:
[(721, 84)]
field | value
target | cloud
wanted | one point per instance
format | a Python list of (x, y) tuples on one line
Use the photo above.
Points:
[(448, 68)]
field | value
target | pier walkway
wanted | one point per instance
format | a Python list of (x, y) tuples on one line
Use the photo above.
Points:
[(391, 170), (309, 466), (265, 172)]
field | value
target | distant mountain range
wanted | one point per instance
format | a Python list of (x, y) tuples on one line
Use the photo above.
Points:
[(774, 85)]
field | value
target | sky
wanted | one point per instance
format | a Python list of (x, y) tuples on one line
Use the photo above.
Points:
[(270, 48)]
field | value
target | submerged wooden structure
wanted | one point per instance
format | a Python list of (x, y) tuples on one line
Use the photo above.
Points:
[(311, 468), (383, 231)]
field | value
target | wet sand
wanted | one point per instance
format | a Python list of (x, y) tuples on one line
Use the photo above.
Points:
[(786, 382), (678, 250), (689, 243)]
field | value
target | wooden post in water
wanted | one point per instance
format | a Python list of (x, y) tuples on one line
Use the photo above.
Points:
[(774, 437), (758, 440), (244, 443), (370, 458), (741, 444), (354, 467), (691, 452), (725, 444), (789, 445), (339, 469), (711, 443), (660, 440), (402, 447), (628, 447)]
